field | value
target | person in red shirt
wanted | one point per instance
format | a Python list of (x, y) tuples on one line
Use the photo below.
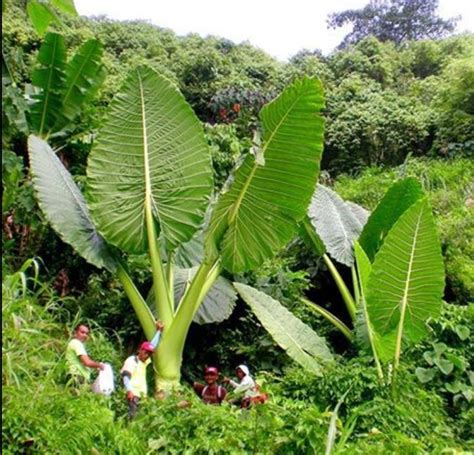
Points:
[(211, 392)]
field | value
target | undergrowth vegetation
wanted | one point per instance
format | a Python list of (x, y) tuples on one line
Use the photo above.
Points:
[(42, 415)]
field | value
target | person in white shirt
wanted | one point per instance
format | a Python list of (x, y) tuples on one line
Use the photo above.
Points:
[(134, 371), (245, 389)]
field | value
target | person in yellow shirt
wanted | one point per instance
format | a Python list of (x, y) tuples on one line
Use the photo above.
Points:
[(134, 371), (79, 363)]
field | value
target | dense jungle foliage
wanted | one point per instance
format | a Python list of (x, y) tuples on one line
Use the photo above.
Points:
[(392, 112)]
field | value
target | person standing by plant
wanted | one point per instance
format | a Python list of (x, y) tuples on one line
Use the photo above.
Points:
[(211, 392), (244, 390), (78, 361), (134, 371)]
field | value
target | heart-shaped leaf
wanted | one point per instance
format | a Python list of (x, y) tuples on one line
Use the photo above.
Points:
[(425, 374)]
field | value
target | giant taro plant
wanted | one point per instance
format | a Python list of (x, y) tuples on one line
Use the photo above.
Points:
[(149, 182), (396, 263)]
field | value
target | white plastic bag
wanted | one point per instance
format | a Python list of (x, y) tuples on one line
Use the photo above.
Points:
[(104, 383)]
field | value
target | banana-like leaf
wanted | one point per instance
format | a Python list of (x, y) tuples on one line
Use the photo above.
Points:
[(150, 152), (335, 223), (398, 198), (300, 341), (64, 206), (67, 6), (218, 303), (41, 15), (49, 77), (272, 188), (406, 284), (84, 75)]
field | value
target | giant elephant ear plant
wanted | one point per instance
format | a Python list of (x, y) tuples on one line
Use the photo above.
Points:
[(149, 184), (397, 266)]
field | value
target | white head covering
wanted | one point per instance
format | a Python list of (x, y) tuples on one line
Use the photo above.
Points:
[(245, 369)]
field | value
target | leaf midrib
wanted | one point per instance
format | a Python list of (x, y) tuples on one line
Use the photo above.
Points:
[(147, 201), (404, 303)]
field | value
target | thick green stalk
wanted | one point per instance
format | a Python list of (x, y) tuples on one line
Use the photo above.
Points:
[(170, 277), (170, 351), (319, 249), (355, 285), (336, 322), (144, 315), (372, 341), (346, 295), (160, 284)]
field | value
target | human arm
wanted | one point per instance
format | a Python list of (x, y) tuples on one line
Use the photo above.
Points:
[(227, 380), (126, 377), (198, 388), (89, 363), (156, 338), (246, 384), (127, 371)]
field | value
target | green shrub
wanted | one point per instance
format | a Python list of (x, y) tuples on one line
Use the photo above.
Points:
[(372, 420)]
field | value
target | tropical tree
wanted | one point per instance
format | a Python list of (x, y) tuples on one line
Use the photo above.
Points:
[(149, 181), (393, 20)]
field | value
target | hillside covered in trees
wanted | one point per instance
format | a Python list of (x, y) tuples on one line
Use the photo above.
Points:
[(247, 260)]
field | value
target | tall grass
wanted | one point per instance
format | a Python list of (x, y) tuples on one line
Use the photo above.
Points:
[(41, 414)]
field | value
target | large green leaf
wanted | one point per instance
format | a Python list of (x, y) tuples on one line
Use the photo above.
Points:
[(64, 206), (41, 15), (219, 302), (398, 198), (49, 77), (84, 75), (191, 253), (151, 151), (335, 223), (299, 340), (272, 188), (382, 346), (67, 6), (361, 214), (406, 284)]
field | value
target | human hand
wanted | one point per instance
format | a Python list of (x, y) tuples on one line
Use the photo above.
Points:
[(226, 379), (101, 366), (130, 395), (159, 326)]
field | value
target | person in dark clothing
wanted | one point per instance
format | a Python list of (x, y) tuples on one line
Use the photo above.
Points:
[(211, 392)]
